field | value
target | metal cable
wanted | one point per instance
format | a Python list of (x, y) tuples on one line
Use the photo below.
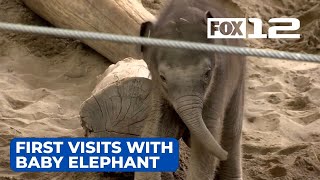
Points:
[(76, 34)]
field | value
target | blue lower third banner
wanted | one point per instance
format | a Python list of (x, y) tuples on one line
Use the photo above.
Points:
[(94, 154)]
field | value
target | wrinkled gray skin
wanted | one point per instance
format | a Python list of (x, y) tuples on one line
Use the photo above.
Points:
[(196, 93)]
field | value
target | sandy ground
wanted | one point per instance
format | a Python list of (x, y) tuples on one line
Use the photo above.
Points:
[(43, 81)]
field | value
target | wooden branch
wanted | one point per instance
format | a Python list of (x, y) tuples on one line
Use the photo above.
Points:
[(112, 16)]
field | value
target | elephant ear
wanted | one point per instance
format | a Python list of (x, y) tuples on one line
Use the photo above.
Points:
[(145, 31), (207, 15)]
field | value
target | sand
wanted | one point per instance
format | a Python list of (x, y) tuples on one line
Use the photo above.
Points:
[(44, 80)]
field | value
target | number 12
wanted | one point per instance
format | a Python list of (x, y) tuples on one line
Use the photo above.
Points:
[(273, 31)]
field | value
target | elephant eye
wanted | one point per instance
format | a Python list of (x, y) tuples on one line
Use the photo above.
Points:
[(163, 78), (208, 73)]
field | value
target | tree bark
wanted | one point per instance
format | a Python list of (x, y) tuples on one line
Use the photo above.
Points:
[(111, 16), (120, 102)]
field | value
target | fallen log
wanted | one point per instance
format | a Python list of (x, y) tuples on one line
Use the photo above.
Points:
[(120, 102), (111, 16)]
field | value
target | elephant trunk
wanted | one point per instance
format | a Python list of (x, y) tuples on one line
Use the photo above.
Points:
[(189, 109)]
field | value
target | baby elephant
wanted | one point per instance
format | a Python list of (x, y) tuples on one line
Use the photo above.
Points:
[(196, 95)]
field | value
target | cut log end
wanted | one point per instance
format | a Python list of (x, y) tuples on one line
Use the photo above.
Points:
[(117, 111), (120, 102)]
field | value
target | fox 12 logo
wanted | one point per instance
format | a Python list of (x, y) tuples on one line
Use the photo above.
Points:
[(233, 28)]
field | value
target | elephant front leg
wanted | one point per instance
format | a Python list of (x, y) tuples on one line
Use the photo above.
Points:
[(231, 169), (162, 122), (202, 163), (147, 175)]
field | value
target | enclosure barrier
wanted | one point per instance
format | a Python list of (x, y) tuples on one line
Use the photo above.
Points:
[(76, 34)]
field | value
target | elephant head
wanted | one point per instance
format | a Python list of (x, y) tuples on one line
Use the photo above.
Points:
[(184, 77)]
